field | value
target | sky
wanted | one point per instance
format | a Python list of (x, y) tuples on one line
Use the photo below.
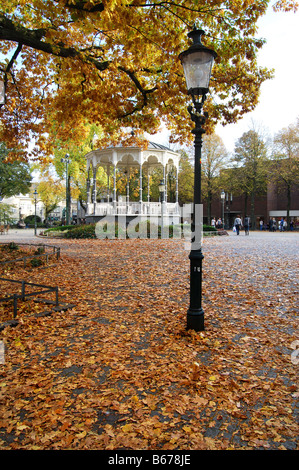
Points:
[(279, 98)]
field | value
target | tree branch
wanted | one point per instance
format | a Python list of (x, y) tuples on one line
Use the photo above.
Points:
[(14, 57), (33, 39), (139, 87)]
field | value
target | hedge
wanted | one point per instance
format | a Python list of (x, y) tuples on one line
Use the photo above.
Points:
[(114, 230), (81, 231)]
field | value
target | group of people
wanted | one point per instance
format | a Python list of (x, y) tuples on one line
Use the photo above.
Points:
[(282, 225), (217, 223), (237, 224), (274, 225)]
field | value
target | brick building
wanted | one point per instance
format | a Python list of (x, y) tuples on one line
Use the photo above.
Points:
[(271, 204)]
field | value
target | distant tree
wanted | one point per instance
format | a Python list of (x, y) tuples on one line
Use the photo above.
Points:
[(250, 160), (6, 213), (171, 183), (285, 163), (156, 176), (214, 156), (123, 177), (15, 177), (77, 171), (186, 179), (51, 191)]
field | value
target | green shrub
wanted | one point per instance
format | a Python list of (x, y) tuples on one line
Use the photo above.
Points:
[(208, 228), (81, 231), (40, 250), (35, 262), (141, 229), (12, 246), (60, 228), (30, 219)]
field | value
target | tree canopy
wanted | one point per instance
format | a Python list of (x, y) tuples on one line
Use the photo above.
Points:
[(15, 177), (68, 63)]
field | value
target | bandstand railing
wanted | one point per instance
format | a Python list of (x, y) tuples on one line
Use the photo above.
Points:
[(132, 208)]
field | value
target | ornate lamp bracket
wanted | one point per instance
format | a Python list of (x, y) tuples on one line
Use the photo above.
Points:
[(196, 114)]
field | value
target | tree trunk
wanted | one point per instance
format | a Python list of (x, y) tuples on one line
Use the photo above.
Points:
[(288, 205), (68, 201), (245, 204), (252, 211), (209, 206)]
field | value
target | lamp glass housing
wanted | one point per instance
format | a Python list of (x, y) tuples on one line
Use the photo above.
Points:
[(161, 187), (197, 62), (197, 69)]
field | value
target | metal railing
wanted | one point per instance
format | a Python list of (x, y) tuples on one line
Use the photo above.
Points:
[(56, 252), (23, 294)]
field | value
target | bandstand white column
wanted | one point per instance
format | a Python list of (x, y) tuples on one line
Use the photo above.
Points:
[(114, 188), (165, 191), (148, 185), (108, 183), (140, 182), (94, 188), (128, 191), (165, 179), (177, 186), (88, 187)]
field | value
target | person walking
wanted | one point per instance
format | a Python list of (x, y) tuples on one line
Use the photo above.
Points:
[(219, 224), (238, 224), (246, 225)]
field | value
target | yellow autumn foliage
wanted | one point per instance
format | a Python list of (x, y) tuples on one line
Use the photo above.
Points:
[(67, 63)]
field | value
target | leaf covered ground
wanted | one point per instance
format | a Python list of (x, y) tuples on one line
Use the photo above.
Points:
[(120, 371)]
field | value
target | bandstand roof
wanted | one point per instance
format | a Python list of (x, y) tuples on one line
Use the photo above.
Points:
[(125, 157)]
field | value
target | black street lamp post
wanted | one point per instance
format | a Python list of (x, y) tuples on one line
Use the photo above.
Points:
[(35, 201), (197, 62), (222, 195), (66, 160)]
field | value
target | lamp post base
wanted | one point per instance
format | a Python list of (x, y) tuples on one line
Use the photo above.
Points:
[(195, 320), (195, 314)]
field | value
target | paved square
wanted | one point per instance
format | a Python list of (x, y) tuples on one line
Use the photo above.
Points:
[(120, 371)]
